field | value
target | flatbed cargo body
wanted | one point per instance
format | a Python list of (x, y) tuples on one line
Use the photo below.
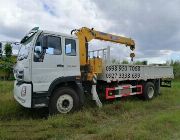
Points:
[(122, 72)]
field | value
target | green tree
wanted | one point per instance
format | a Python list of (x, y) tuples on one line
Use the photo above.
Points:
[(176, 67), (114, 61), (140, 62), (125, 62), (7, 62), (8, 50)]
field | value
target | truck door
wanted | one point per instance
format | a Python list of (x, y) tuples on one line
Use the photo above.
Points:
[(48, 64), (71, 57)]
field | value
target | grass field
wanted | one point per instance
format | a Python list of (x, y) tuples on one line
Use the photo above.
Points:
[(128, 118)]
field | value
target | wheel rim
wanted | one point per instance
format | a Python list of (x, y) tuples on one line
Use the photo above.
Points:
[(64, 103), (150, 92)]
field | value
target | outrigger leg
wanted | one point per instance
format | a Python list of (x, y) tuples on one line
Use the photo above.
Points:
[(94, 92)]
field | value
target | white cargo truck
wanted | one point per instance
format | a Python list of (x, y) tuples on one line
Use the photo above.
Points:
[(56, 70)]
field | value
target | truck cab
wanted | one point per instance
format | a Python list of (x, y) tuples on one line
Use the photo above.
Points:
[(45, 60)]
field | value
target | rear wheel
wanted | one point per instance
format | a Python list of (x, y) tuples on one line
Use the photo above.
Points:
[(64, 100), (149, 91)]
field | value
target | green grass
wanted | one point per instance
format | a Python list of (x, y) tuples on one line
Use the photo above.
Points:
[(128, 118)]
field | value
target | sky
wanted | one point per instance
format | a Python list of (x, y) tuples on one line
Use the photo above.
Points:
[(154, 25)]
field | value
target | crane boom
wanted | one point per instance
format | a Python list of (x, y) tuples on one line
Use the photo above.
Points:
[(85, 35)]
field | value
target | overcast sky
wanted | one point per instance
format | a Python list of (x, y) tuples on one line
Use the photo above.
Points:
[(154, 25)]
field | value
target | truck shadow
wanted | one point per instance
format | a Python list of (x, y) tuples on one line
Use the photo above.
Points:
[(20, 113)]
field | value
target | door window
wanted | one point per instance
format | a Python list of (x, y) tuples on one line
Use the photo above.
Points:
[(54, 45), (70, 47)]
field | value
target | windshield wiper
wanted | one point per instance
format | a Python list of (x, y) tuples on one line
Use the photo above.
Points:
[(30, 34), (27, 37)]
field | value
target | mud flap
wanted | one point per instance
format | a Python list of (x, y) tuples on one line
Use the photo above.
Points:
[(165, 83)]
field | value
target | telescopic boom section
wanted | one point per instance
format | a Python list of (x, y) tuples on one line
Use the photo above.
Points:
[(85, 35)]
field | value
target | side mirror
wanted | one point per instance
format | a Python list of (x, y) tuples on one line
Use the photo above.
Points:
[(44, 42), (38, 50), (38, 53)]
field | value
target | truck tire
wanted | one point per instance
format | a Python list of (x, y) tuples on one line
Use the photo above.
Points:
[(64, 100), (149, 91)]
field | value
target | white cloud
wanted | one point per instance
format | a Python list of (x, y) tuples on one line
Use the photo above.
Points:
[(67, 15), (154, 27)]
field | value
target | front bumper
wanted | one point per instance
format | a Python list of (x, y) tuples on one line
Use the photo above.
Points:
[(23, 94)]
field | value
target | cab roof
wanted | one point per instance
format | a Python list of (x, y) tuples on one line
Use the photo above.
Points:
[(58, 33)]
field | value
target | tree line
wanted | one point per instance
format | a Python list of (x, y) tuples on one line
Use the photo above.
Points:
[(7, 62)]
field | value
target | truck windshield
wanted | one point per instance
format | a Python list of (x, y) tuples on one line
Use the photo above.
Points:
[(23, 53)]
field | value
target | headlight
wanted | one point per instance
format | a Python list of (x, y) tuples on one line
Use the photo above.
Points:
[(19, 74)]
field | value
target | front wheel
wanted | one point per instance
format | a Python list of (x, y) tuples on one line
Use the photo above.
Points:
[(64, 100)]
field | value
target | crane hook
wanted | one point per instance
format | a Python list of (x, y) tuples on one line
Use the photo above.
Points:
[(132, 55), (73, 31)]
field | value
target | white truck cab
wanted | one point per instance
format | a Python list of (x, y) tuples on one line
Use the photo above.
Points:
[(45, 59)]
